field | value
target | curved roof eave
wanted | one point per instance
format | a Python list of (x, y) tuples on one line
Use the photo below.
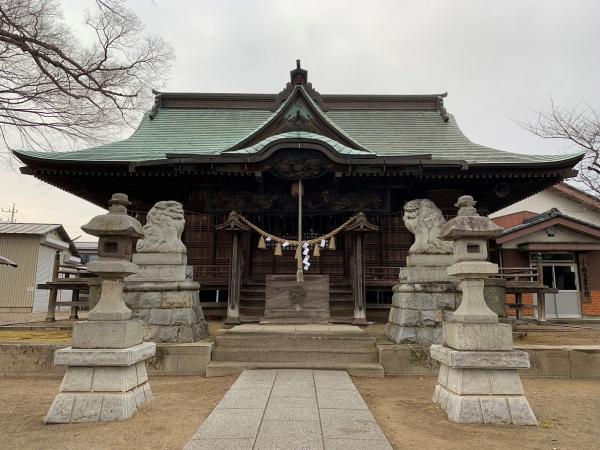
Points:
[(293, 137)]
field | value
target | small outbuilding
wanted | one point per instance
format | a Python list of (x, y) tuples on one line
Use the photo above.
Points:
[(33, 247), (559, 229)]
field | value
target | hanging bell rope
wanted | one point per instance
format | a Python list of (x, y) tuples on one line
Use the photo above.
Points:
[(299, 270)]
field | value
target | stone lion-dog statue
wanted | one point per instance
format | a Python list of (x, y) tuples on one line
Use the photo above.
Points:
[(424, 220), (163, 229)]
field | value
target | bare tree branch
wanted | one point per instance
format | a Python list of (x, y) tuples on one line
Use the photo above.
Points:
[(581, 127), (52, 87)]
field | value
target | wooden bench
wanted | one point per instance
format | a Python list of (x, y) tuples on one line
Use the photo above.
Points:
[(66, 277), (526, 280)]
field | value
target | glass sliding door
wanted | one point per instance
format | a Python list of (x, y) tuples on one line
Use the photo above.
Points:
[(560, 273)]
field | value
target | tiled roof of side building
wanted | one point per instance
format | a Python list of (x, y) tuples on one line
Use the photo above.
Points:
[(210, 131)]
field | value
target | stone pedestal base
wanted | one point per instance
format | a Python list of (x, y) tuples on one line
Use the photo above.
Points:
[(428, 268), (170, 311), (101, 385), (418, 310), (482, 386)]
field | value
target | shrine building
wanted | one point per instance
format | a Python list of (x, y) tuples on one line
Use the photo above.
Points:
[(264, 156)]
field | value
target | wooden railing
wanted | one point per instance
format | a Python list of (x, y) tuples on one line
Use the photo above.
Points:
[(386, 275), (212, 274)]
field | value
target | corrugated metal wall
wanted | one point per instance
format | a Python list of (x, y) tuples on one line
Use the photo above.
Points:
[(17, 285), (45, 265)]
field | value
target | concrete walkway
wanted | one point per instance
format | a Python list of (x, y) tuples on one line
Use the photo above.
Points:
[(290, 409)]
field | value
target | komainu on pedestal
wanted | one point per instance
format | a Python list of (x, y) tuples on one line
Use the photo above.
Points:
[(426, 293), (160, 294), (478, 380)]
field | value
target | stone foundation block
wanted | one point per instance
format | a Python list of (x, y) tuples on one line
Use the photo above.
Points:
[(461, 359), (427, 268), (481, 381), (101, 384), (477, 336), (152, 258), (149, 300), (418, 310), (176, 299), (107, 334), (170, 311), (160, 317), (104, 379), (158, 272), (496, 409), (92, 357), (97, 407)]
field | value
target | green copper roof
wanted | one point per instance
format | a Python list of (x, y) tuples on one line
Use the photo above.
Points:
[(211, 131)]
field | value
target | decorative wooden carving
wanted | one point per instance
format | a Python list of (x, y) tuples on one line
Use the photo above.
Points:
[(292, 164)]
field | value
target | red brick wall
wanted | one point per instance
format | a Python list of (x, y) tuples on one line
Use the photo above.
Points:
[(592, 308), (588, 309), (527, 300)]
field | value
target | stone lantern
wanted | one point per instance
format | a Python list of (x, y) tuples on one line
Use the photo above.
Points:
[(117, 233), (106, 375), (478, 380)]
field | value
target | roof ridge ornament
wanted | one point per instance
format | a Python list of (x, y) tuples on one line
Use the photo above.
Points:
[(299, 79), (299, 76), (441, 108)]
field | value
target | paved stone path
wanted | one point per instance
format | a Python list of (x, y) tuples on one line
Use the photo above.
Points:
[(290, 409)]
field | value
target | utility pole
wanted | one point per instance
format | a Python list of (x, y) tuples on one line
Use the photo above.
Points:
[(12, 212)]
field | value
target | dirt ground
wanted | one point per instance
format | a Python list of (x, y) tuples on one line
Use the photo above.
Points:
[(568, 411), (558, 335), (180, 405)]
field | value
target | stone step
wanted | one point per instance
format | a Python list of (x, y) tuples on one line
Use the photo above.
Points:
[(294, 354), (316, 342), (223, 368)]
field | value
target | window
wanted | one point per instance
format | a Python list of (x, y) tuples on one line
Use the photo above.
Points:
[(560, 276)]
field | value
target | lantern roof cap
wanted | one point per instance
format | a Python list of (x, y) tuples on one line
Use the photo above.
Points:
[(468, 223), (116, 222)]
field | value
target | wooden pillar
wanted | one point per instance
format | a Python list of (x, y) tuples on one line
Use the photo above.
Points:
[(360, 304), (74, 305), (236, 227), (51, 314), (358, 228), (541, 295), (235, 282)]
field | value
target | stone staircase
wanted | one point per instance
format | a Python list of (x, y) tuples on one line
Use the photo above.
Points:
[(249, 346)]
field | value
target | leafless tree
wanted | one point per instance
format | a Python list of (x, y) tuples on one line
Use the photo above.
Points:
[(53, 87), (579, 126)]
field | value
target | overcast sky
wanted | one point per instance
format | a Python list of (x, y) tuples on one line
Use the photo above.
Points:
[(500, 61)]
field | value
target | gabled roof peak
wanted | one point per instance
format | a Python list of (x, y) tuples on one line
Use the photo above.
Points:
[(298, 112)]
